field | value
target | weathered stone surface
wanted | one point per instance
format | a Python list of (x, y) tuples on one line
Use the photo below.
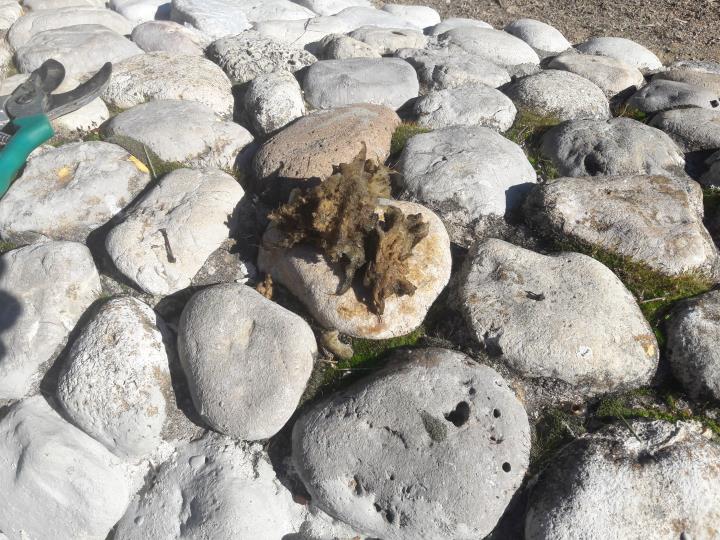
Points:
[(693, 129), (168, 36), (494, 45), (6, 60), (81, 49), (272, 101), (314, 281), (545, 39), (67, 192), (357, 16), (619, 146), (213, 487), (303, 34), (623, 49), (544, 317), (168, 235), (341, 47), (187, 132), (58, 482), (10, 11), (560, 95), (140, 11), (51, 19), (214, 18), (247, 55), (613, 76), (312, 145), (388, 40), (656, 476), (381, 81), (465, 173), (247, 360), (661, 95), (469, 105), (692, 345), (36, 5), (331, 7), (649, 219), (455, 22), (163, 75), (45, 289), (275, 10), (439, 69), (116, 385), (420, 16), (433, 446), (707, 79)]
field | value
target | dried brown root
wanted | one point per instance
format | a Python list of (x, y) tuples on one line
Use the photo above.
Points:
[(265, 287), (339, 218)]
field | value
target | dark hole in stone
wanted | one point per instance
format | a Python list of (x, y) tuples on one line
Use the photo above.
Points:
[(377, 507), (496, 413), (506, 467), (390, 516), (472, 391), (714, 103), (460, 415), (592, 165), (392, 477)]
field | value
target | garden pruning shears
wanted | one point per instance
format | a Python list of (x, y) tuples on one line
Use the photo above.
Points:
[(25, 123)]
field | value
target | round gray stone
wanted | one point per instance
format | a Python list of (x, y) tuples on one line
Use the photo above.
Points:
[(356, 16), (380, 81), (246, 358), (455, 22), (469, 105), (388, 40), (433, 446), (69, 191), (45, 289), (693, 331), (545, 39), (613, 76), (140, 11), (649, 219), (464, 174), (494, 45), (168, 36), (179, 131), (331, 7), (655, 476), (303, 34), (708, 79), (618, 146), (623, 49), (420, 16), (693, 129), (10, 11), (342, 47), (661, 95), (566, 317), (272, 101), (560, 95), (214, 18), (245, 56), (115, 385)]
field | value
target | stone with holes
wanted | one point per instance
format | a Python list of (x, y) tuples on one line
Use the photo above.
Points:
[(649, 219), (388, 40), (438, 69), (165, 239), (617, 146), (381, 81), (57, 481), (314, 281), (247, 55), (214, 18), (650, 476), (693, 129), (560, 95), (312, 145), (44, 290), (164, 75), (82, 49), (662, 95), (623, 49), (433, 446), (272, 101), (168, 36), (69, 191), (115, 384), (246, 358), (612, 76), (545, 39), (180, 131), (465, 174), (545, 317), (693, 332), (213, 487), (469, 105)]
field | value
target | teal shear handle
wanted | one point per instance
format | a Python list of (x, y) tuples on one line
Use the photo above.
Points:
[(30, 132)]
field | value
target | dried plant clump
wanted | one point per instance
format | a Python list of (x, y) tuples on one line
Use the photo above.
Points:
[(339, 218)]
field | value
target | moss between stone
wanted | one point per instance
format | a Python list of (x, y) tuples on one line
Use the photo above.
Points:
[(6, 246), (551, 432), (629, 112), (401, 135), (156, 166), (527, 132)]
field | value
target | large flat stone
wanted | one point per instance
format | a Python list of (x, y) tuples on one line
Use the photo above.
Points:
[(622, 49), (214, 18), (662, 95), (693, 129), (494, 45), (613, 76)]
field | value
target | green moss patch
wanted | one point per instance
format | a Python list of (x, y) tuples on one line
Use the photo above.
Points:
[(6, 246), (630, 112), (156, 166), (555, 429), (400, 137), (527, 132)]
